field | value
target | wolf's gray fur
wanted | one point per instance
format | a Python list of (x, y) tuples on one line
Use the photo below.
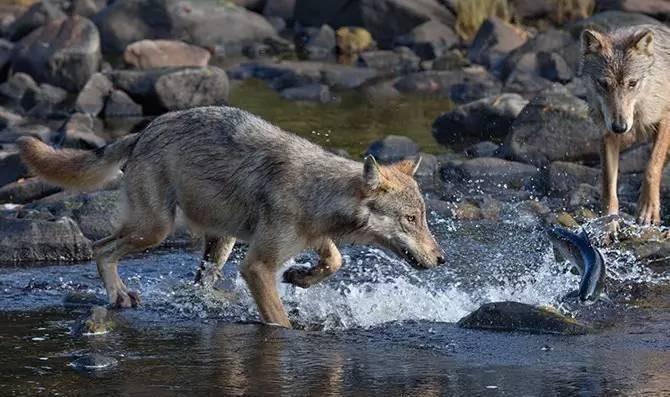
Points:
[(235, 176)]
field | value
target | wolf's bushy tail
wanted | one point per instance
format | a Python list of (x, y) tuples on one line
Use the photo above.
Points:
[(76, 169)]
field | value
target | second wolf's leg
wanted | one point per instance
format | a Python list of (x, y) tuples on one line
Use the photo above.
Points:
[(649, 206), (330, 261), (217, 251)]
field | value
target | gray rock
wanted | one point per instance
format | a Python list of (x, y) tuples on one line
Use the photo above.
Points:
[(86, 8), (13, 132), (530, 85), (119, 104), (384, 19), (492, 171), (550, 41), (635, 159), (390, 63), (13, 90), (488, 118), (94, 362), (483, 149), (461, 86), (554, 127), (46, 102), (309, 92), (452, 60), (26, 190), (657, 8), (205, 24), (82, 131), (77, 299), (553, 67), (64, 53), (40, 13), (92, 97), (6, 50), (584, 195), (97, 321), (429, 40), (520, 317), (494, 40), (564, 177), (192, 87), (147, 54), (316, 43), (34, 240), (393, 148), (279, 8), (12, 167)]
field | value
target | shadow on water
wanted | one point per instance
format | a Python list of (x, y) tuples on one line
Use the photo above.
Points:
[(376, 328)]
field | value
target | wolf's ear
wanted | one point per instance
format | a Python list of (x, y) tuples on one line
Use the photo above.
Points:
[(643, 42), (408, 167), (371, 173), (593, 42)]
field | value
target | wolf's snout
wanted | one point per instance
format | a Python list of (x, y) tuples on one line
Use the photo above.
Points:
[(619, 126)]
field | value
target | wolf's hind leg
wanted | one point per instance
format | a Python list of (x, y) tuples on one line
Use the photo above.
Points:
[(217, 251), (330, 261)]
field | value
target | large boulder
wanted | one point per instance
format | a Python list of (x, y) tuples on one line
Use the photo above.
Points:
[(487, 118), (491, 171), (553, 41), (462, 85), (384, 19), (494, 40), (554, 127), (26, 190), (63, 53), (205, 24), (399, 61), (565, 177), (33, 240), (147, 54), (520, 317), (91, 99), (393, 148), (119, 104), (429, 40)]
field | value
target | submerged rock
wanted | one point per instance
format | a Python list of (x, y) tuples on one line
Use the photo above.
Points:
[(98, 320), (520, 317), (94, 362)]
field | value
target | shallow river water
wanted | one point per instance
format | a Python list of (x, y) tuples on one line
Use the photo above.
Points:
[(377, 327)]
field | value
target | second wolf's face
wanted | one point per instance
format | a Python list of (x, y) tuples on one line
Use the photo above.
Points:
[(615, 70), (397, 214)]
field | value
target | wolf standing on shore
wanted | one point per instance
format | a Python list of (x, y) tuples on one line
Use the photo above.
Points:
[(627, 73), (235, 176)]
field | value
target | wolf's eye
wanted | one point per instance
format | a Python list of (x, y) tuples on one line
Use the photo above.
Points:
[(602, 83), (411, 219), (632, 84)]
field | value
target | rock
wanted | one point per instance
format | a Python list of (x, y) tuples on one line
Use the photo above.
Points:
[(86, 8), (205, 24), (393, 148), (483, 149), (26, 190), (484, 209), (566, 220), (461, 86), (525, 59), (46, 102), (119, 105), (532, 85), (494, 40), (39, 14), (6, 50), (584, 195), (390, 63), (188, 88), (77, 299), (13, 90), (92, 97), (485, 118), (147, 54), (279, 8), (429, 40), (9, 119), (34, 240), (81, 131), (353, 40), (12, 167), (99, 213), (316, 43), (635, 159), (554, 127), (657, 8), (553, 67), (64, 53), (94, 362), (384, 19), (13, 132), (452, 60), (520, 317), (492, 171), (309, 92), (565, 177), (97, 321), (533, 9)]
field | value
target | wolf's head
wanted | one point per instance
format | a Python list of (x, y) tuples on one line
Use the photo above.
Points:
[(615, 67), (396, 213)]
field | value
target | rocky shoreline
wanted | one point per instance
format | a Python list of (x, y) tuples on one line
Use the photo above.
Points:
[(81, 73)]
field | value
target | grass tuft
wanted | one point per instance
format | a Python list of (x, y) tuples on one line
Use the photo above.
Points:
[(471, 14)]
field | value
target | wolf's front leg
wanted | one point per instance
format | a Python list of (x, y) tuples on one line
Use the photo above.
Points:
[(649, 205), (609, 161), (330, 261), (260, 276)]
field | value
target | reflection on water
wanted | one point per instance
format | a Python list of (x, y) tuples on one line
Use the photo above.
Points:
[(352, 123)]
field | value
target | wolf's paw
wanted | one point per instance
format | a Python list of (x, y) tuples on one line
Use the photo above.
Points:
[(125, 299), (300, 276), (611, 233), (208, 274), (649, 212)]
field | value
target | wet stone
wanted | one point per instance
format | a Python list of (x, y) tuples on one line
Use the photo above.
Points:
[(94, 362), (97, 321)]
